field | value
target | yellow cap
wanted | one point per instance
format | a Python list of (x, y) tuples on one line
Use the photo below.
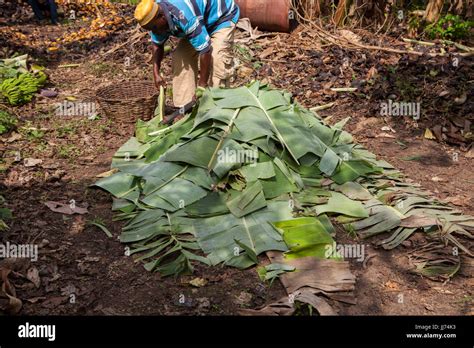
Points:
[(146, 10)]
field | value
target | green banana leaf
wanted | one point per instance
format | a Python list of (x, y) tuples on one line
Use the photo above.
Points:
[(338, 203), (250, 171), (305, 236)]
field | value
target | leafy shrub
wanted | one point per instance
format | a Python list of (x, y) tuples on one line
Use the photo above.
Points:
[(449, 27), (7, 122)]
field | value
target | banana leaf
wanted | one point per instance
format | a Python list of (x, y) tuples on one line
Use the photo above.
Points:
[(338, 203), (233, 179), (217, 235), (305, 236)]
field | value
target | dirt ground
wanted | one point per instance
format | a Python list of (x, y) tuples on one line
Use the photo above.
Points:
[(82, 271)]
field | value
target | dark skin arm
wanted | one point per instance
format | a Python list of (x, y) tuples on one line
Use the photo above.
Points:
[(159, 25), (158, 52), (205, 60), (205, 64)]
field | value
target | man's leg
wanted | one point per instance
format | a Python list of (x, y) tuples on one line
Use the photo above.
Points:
[(222, 57), (185, 73), (36, 9), (53, 11)]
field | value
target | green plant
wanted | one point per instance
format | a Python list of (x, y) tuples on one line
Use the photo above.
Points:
[(414, 24), (42, 147), (36, 134), (392, 69), (65, 130), (68, 151), (94, 117), (405, 88), (31, 133), (5, 214), (244, 53), (449, 27), (102, 149), (257, 65), (104, 128), (7, 122), (98, 222), (3, 165)]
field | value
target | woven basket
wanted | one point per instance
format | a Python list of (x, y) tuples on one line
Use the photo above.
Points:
[(128, 101)]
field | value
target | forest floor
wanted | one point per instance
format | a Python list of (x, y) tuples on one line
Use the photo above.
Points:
[(79, 259)]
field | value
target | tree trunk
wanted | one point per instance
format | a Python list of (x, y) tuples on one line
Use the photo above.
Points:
[(470, 10), (316, 8), (359, 10), (433, 10), (341, 11)]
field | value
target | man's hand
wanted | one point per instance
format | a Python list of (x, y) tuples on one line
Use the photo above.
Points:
[(202, 84), (159, 81), (198, 93)]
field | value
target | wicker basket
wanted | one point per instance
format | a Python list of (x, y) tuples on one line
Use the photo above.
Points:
[(128, 101)]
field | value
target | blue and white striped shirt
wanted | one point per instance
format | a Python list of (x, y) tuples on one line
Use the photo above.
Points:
[(196, 20)]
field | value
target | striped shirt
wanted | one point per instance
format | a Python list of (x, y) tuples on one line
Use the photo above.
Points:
[(196, 20)]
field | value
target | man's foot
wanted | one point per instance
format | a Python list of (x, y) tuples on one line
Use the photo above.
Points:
[(38, 21)]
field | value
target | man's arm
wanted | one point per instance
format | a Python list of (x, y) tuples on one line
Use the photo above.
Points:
[(158, 52), (205, 60), (199, 38)]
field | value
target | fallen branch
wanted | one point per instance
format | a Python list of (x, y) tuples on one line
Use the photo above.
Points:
[(424, 43), (273, 60), (69, 66), (344, 89), (458, 45), (346, 43), (322, 107)]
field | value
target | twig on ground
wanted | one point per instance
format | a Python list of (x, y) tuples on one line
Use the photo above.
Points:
[(322, 107), (344, 89), (424, 43), (69, 66)]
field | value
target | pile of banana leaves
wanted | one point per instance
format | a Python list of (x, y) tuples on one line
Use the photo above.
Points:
[(249, 171), (12, 67)]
